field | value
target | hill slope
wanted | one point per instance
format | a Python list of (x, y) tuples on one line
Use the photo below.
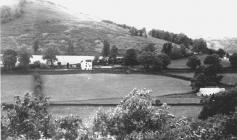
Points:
[(53, 25)]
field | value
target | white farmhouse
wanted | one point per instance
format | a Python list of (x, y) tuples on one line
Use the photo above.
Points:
[(86, 64), (84, 61), (208, 91)]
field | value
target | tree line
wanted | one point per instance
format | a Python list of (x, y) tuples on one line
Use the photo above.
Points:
[(132, 30)]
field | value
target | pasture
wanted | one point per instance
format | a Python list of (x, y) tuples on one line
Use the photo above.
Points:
[(74, 87), (181, 63)]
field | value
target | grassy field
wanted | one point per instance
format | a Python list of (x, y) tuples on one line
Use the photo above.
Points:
[(228, 78), (71, 87), (181, 63)]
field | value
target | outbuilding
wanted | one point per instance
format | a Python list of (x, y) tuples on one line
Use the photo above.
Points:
[(208, 91)]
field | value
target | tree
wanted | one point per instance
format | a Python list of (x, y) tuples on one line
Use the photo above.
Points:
[(50, 55), (193, 62), (221, 103), (9, 59), (35, 46), (199, 45), (221, 53), (24, 58), (70, 49), (206, 75), (164, 59), (146, 59), (213, 60), (106, 49), (167, 48), (233, 60), (113, 52), (130, 58)]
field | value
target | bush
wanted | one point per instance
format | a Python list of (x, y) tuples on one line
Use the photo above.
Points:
[(164, 59), (35, 65), (221, 103), (193, 62), (213, 59), (70, 128), (134, 114), (29, 118)]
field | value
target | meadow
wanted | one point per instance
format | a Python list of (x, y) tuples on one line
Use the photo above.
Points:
[(181, 63), (75, 87)]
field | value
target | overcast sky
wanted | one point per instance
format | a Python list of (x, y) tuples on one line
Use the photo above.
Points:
[(196, 18)]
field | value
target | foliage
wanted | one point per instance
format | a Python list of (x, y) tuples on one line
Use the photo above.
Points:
[(28, 118), (114, 51), (69, 128), (35, 46), (24, 58), (35, 64), (146, 59), (171, 37), (167, 48), (213, 59), (233, 60), (9, 59), (164, 59), (132, 30), (50, 55), (206, 76), (106, 49), (199, 46), (135, 113), (221, 53), (221, 103), (193, 62), (70, 49), (130, 58)]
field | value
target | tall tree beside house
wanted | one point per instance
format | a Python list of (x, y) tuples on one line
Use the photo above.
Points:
[(50, 55), (24, 58), (106, 49), (130, 58), (233, 60), (114, 52), (9, 59), (35, 47), (70, 48)]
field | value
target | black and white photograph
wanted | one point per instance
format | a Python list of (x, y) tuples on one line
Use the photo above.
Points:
[(118, 69)]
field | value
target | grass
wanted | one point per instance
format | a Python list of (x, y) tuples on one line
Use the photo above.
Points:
[(181, 63), (73, 87), (230, 78)]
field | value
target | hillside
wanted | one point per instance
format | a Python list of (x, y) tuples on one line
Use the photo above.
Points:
[(228, 44), (53, 25)]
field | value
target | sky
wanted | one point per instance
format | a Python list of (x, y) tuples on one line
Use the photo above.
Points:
[(195, 18)]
